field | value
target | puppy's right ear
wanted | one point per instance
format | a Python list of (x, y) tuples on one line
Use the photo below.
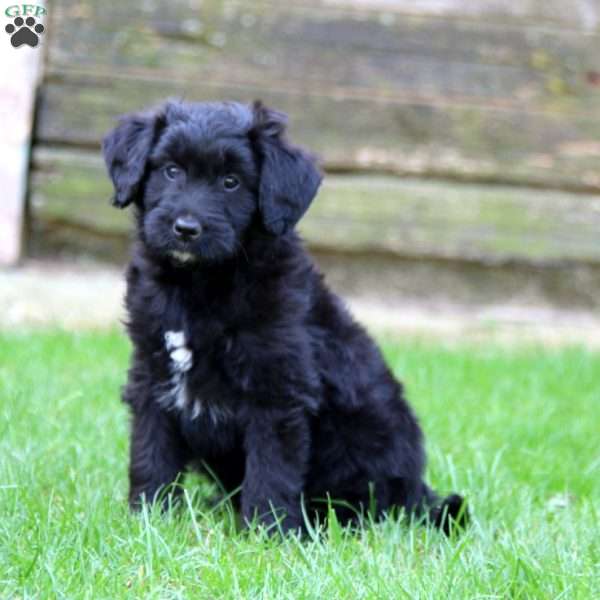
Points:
[(126, 150)]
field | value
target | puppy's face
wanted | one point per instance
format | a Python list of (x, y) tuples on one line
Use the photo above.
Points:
[(202, 175), (201, 193)]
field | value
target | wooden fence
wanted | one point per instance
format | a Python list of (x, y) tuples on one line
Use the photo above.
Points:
[(454, 132)]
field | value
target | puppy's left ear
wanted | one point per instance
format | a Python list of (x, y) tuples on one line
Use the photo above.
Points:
[(289, 177), (126, 150)]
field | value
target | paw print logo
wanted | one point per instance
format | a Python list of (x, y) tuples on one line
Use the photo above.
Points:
[(24, 32)]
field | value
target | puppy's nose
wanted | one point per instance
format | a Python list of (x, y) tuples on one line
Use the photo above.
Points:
[(187, 228)]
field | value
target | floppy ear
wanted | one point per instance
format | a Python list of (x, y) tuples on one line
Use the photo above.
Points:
[(289, 177), (126, 149)]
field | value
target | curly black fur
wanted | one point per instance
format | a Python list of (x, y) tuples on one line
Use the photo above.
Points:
[(244, 361)]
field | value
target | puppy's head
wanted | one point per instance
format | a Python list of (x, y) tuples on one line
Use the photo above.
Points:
[(202, 175)]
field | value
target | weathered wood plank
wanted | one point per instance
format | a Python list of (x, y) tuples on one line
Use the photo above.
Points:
[(412, 56), (367, 88), (449, 139), (583, 15), (406, 218)]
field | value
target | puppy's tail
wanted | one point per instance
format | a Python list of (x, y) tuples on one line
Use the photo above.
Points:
[(449, 514)]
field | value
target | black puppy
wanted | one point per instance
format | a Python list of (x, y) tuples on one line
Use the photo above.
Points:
[(244, 362)]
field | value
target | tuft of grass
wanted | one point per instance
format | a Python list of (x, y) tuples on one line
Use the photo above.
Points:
[(514, 429)]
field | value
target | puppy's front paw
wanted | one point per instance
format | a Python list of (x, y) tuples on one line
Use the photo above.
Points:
[(276, 521)]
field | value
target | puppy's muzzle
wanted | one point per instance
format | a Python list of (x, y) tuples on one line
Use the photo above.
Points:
[(187, 228)]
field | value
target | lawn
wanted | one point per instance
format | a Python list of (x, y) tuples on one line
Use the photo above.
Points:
[(515, 429)]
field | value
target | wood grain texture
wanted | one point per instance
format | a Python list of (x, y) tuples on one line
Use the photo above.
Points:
[(477, 97), (583, 15), (358, 214), (545, 149)]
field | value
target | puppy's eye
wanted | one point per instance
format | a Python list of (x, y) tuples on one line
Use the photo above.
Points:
[(172, 172), (230, 182)]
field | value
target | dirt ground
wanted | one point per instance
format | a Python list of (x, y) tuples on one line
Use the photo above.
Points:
[(89, 295)]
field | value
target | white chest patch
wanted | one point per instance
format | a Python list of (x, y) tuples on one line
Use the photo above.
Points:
[(181, 355), (176, 395), (181, 361), (174, 339)]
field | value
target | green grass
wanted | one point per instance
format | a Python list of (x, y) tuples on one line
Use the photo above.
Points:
[(516, 430)]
